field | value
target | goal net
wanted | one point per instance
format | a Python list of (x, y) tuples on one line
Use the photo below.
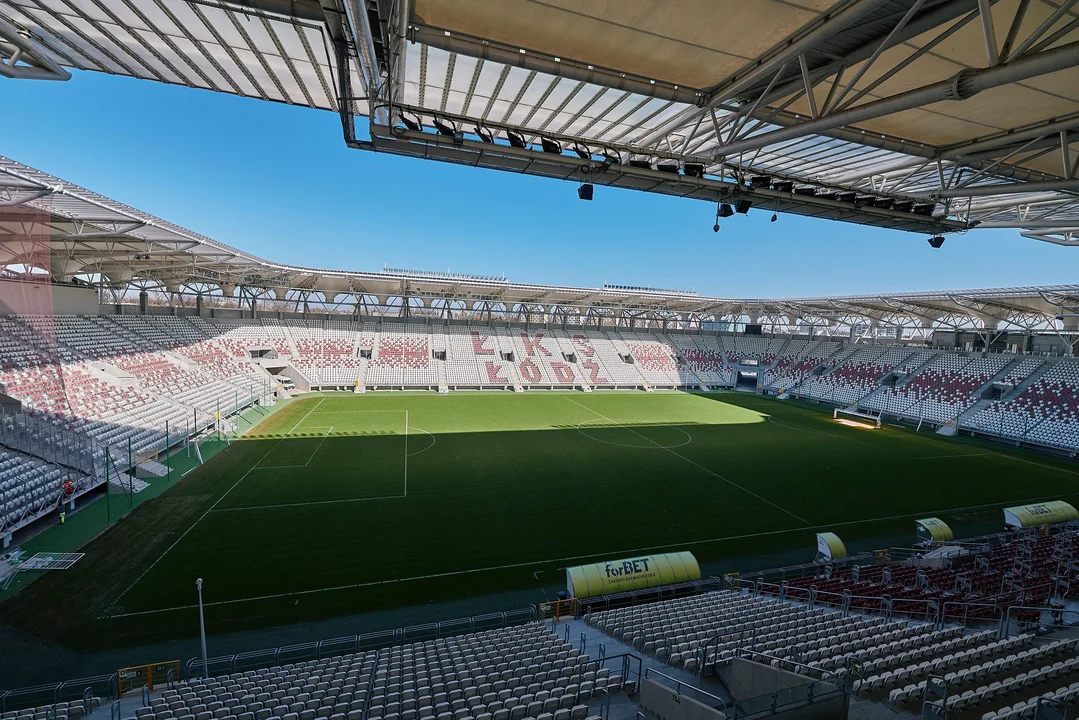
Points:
[(857, 418)]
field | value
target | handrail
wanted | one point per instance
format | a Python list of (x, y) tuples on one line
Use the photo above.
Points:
[(656, 594), (269, 657), (679, 684), (826, 675), (1057, 613)]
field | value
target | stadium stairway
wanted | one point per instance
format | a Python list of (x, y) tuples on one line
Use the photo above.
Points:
[(443, 385), (361, 374), (581, 634)]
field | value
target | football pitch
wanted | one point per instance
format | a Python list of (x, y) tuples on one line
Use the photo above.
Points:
[(343, 504)]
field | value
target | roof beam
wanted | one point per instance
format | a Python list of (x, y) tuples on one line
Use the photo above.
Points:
[(529, 59), (23, 58), (962, 86), (1002, 189)]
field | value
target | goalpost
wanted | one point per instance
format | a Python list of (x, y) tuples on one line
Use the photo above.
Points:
[(853, 416)]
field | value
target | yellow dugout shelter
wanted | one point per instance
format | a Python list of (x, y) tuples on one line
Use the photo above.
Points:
[(635, 573), (1037, 514)]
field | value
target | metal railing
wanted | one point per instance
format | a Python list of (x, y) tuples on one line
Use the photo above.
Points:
[(638, 597), (713, 701), (303, 652), (82, 689)]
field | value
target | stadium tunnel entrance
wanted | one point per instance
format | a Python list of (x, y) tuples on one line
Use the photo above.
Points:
[(746, 381)]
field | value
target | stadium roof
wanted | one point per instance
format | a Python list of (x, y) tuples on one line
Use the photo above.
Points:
[(923, 115), (51, 226)]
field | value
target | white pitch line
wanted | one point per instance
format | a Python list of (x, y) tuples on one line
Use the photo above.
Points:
[(306, 416), (309, 502), (960, 455), (189, 529), (631, 551), (433, 441), (693, 462), (318, 447)]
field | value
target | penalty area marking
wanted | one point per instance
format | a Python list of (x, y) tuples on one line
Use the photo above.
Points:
[(696, 464), (328, 430), (631, 551), (332, 502), (429, 445), (652, 446)]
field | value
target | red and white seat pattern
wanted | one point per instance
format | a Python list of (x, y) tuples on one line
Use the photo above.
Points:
[(656, 360), (853, 377), (327, 355), (402, 358), (796, 362), (941, 391), (1046, 412)]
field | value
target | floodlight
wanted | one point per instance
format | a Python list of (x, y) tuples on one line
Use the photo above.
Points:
[(760, 181), (443, 128), (742, 206), (693, 170), (484, 134), (924, 209), (414, 125), (611, 158), (582, 152), (584, 192), (783, 186), (517, 140), (551, 146), (642, 164), (725, 211), (668, 167), (937, 241), (774, 217)]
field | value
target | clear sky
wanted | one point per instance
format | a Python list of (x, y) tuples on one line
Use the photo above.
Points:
[(278, 181)]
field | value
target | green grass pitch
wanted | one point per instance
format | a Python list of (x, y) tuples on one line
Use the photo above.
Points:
[(330, 508)]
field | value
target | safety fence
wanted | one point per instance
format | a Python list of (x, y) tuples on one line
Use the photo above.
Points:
[(304, 652)]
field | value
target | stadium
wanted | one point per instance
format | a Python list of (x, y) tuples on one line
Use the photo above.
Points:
[(234, 487)]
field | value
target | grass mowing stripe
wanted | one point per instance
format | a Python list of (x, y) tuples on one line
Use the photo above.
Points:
[(192, 526), (696, 464), (631, 551), (514, 479), (305, 416)]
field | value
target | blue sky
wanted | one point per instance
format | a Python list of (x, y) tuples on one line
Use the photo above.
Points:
[(278, 181)]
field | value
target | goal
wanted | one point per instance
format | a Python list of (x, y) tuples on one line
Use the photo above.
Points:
[(856, 417)]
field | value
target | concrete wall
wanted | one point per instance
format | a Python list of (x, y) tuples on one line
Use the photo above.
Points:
[(751, 680), (34, 298), (666, 704)]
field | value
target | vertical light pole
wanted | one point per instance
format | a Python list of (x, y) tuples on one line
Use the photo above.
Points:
[(202, 627)]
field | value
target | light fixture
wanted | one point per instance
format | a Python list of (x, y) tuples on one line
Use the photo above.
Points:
[(936, 242), (443, 128), (773, 218), (517, 140), (484, 134), (413, 125), (584, 192), (582, 152), (611, 158), (760, 181), (551, 146), (742, 206), (724, 211), (642, 164), (693, 170), (783, 186), (668, 167)]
